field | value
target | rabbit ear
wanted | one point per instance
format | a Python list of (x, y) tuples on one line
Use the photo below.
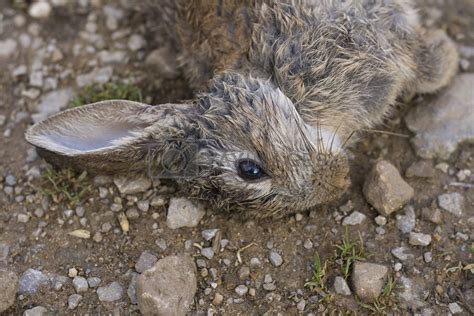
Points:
[(105, 136)]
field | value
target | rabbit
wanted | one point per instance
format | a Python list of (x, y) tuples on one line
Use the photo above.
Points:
[(280, 88)]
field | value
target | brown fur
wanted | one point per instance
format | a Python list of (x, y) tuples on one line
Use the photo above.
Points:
[(281, 82)]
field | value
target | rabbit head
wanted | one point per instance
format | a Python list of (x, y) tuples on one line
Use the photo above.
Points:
[(242, 146)]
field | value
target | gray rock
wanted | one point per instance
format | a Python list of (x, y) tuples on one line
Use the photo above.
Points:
[(136, 42), (356, 218), (8, 47), (128, 185), (241, 290), (110, 293), (31, 280), (452, 202), (132, 289), (168, 288), (434, 216), (442, 126), (276, 259), (207, 252), (116, 57), (10, 180), (4, 252), (421, 169), (406, 223), (73, 301), (145, 262), (100, 75), (341, 287), (51, 103), (40, 10), (418, 239), (36, 311), (8, 289), (454, 308), (385, 189), (93, 282), (208, 234), (368, 279), (183, 213), (80, 284), (243, 273), (402, 253), (411, 293)]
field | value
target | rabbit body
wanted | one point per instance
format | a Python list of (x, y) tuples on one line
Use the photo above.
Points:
[(280, 87)]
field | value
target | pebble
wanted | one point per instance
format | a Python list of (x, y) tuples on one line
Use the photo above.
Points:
[(207, 252), (73, 301), (418, 239), (218, 299), (208, 234), (402, 253), (308, 244), (183, 213), (421, 169), (411, 293), (4, 252), (8, 288), (432, 215), (241, 290), (275, 259), (110, 293), (100, 75), (385, 189), (368, 279), (161, 243), (132, 213), (39, 10), (341, 287), (397, 266), (136, 42), (441, 126), (97, 237), (157, 201), (145, 262), (93, 282), (143, 206), (454, 308), (31, 280), (406, 223), (72, 272), (80, 211), (356, 218), (444, 167), (243, 273), (132, 185), (381, 220), (301, 305), (80, 284), (36, 311), (81, 233), (452, 203), (428, 256), (8, 47), (157, 287), (10, 180), (132, 289), (23, 218), (52, 103)]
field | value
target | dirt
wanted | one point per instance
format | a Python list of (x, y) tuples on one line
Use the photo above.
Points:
[(113, 258)]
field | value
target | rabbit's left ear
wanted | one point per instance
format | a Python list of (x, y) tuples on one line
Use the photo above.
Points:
[(106, 136)]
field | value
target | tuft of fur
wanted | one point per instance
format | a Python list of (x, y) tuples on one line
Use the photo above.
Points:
[(284, 83)]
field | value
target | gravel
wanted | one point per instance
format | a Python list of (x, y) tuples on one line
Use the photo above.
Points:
[(441, 126), (157, 287), (80, 284), (110, 293), (93, 282), (341, 287), (31, 280), (433, 215), (207, 252), (454, 308), (132, 185), (368, 279), (208, 234), (275, 259), (52, 103), (418, 239), (8, 47), (145, 262), (36, 311), (73, 301), (8, 288), (241, 290), (452, 203), (40, 10), (356, 218), (385, 189), (402, 253), (406, 223), (183, 213)]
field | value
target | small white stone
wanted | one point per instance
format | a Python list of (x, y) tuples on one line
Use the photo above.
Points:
[(72, 272), (39, 10), (381, 220), (454, 308), (418, 239), (241, 290), (356, 218), (397, 267), (136, 42)]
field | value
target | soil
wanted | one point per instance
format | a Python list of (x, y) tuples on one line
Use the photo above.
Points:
[(43, 242)]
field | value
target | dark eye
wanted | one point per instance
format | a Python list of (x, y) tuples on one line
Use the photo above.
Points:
[(250, 170)]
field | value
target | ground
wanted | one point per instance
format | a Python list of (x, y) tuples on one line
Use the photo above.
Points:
[(82, 42)]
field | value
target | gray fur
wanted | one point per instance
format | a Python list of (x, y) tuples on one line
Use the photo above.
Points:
[(282, 82)]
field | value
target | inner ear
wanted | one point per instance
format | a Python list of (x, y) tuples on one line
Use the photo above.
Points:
[(92, 128)]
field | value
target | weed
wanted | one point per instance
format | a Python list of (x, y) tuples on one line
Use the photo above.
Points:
[(64, 186), (319, 274), (107, 91), (381, 303), (348, 252)]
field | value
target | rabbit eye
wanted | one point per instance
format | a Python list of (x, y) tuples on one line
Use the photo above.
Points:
[(250, 170)]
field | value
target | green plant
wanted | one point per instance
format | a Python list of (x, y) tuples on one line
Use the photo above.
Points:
[(318, 278), (348, 252), (381, 303), (107, 91), (64, 186)]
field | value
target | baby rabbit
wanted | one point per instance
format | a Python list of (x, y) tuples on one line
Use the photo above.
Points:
[(281, 87)]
